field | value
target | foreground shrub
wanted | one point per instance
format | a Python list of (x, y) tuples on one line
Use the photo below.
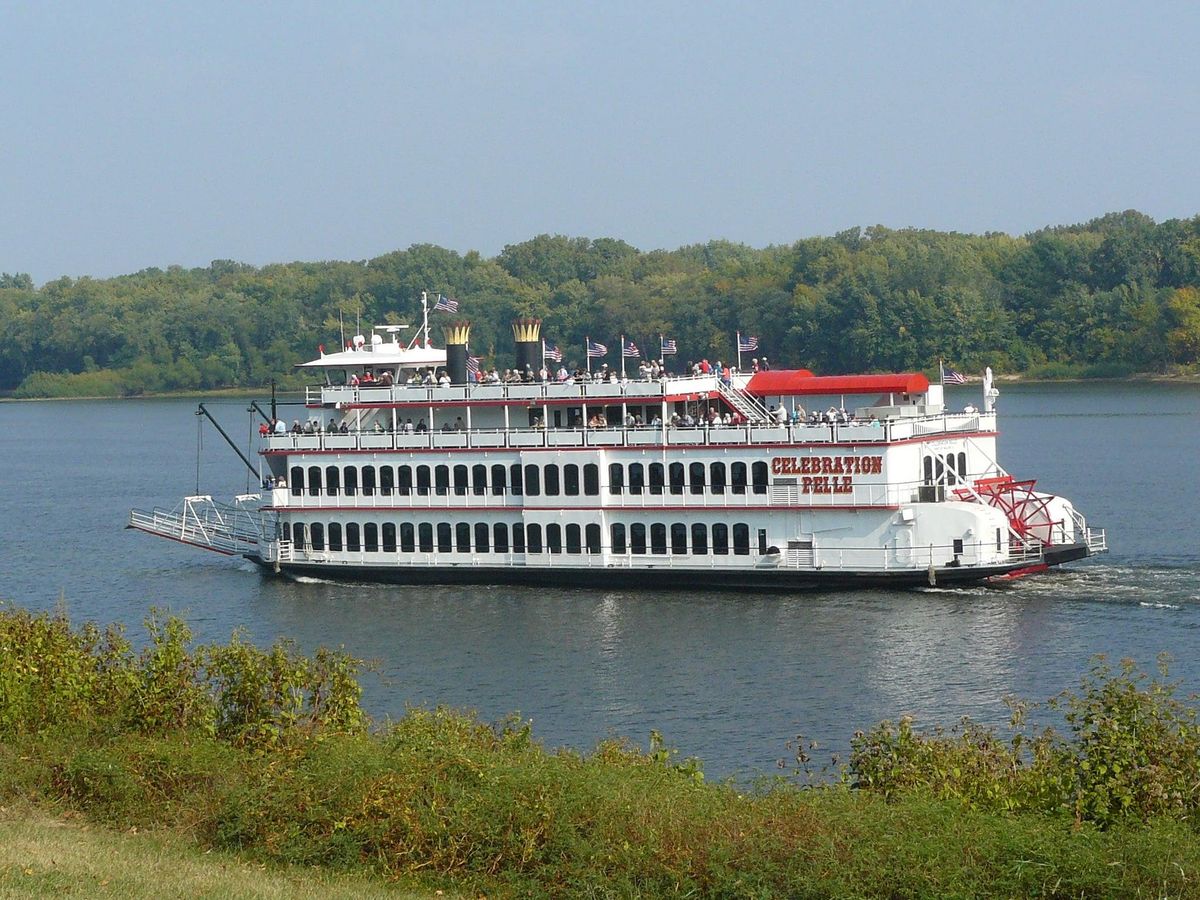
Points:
[(268, 753), (1131, 751)]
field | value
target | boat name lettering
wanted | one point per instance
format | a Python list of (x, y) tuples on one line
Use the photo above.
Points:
[(827, 465)]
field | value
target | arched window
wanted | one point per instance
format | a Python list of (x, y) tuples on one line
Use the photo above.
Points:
[(444, 537), (716, 477), (404, 480), (696, 477), (532, 482), (297, 481), (658, 538), (591, 480), (389, 537), (637, 478), (759, 477), (368, 480), (951, 469), (479, 475), (332, 480), (516, 485), (441, 480), (618, 537), (482, 537), (927, 465), (298, 535), (637, 537), (408, 541), (679, 536), (353, 540), (571, 480), (737, 477), (574, 539), (316, 531), (616, 478), (592, 536), (500, 537), (462, 537), (350, 480), (425, 535), (387, 480), (676, 478), (460, 480), (314, 480), (551, 480), (371, 537), (499, 479), (699, 539), (656, 478), (720, 543), (741, 539), (335, 536), (518, 536), (533, 538), (962, 466), (554, 541)]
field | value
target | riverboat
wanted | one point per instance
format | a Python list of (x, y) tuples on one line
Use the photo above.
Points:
[(410, 468)]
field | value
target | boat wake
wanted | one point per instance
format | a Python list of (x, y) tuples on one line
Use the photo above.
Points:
[(1148, 586)]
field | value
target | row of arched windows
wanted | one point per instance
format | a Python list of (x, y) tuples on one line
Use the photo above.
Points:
[(693, 478), (479, 479), (502, 537), (532, 480)]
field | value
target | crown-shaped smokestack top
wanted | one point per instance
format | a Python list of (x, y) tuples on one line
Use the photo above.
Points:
[(457, 333), (527, 331)]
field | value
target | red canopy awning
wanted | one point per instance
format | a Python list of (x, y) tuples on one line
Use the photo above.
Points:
[(791, 382)]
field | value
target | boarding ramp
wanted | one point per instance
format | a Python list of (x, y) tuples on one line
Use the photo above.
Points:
[(230, 529)]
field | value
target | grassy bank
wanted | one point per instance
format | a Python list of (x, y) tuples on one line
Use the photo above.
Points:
[(266, 754)]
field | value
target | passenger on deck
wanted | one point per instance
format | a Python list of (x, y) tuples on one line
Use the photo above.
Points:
[(345, 429), (408, 427), (422, 427), (296, 429), (387, 379), (280, 428), (458, 424)]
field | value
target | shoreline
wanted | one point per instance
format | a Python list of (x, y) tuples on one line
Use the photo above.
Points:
[(251, 393)]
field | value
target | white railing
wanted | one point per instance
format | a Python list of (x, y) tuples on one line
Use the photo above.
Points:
[(201, 522), (531, 392), (847, 559), (722, 435)]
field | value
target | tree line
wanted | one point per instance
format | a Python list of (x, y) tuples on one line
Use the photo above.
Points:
[(1116, 295)]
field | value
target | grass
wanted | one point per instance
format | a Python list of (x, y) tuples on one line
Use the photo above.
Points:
[(46, 855)]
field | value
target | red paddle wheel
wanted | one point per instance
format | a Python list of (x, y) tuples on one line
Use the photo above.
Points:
[(1028, 512)]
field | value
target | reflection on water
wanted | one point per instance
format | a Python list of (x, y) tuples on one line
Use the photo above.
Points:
[(727, 678)]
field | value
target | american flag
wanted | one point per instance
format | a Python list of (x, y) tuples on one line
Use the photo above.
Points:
[(446, 304), (630, 350), (949, 376), (473, 364), (595, 349), (747, 344), (553, 353), (668, 347)]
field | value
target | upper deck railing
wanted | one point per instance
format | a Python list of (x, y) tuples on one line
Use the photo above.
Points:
[(874, 432), (532, 392)]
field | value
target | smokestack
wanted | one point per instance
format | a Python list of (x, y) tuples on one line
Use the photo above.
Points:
[(457, 334), (528, 335)]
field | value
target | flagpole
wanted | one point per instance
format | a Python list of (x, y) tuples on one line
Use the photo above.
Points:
[(739, 349), (622, 357), (942, 373), (587, 353)]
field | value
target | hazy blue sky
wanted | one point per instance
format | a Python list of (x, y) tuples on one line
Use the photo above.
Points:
[(140, 135)]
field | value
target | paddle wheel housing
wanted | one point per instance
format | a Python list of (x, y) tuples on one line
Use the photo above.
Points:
[(1031, 515)]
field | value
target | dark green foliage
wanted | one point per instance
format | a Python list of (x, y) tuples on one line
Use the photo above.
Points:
[(267, 753), (1116, 295), (1130, 751)]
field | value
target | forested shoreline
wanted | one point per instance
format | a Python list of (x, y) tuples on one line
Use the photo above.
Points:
[(1112, 297)]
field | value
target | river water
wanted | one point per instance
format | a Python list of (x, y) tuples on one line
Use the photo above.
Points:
[(724, 677)]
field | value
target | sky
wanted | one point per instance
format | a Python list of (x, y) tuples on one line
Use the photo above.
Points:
[(156, 134)]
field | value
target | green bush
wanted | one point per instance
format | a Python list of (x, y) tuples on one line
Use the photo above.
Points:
[(268, 753), (1131, 751)]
